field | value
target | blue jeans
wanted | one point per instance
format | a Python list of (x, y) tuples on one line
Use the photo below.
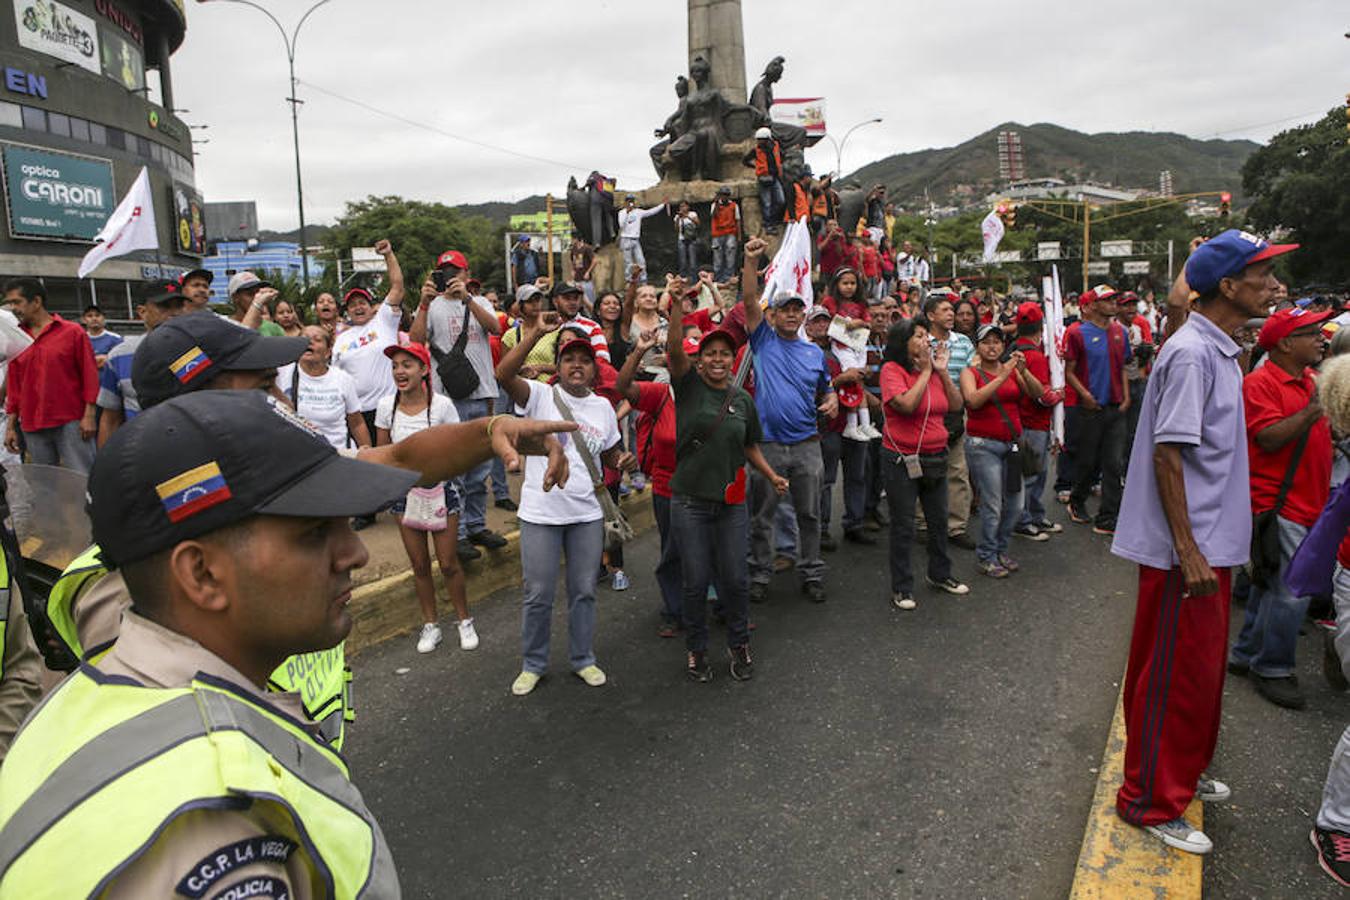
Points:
[(771, 200), (61, 445), (836, 449), (473, 484), (501, 489), (668, 568), (542, 548), (1033, 488), (686, 260), (724, 257), (712, 541), (998, 510), (785, 529), (1270, 631)]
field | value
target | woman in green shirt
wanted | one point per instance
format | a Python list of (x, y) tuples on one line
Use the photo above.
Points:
[(539, 363), (716, 434)]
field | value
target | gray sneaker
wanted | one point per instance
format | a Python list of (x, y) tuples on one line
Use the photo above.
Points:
[(1212, 790), (1182, 835)]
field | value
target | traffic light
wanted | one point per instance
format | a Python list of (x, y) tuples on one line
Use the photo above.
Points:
[(1225, 204)]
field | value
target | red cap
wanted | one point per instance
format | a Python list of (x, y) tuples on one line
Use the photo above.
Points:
[(357, 292), (452, 258), (1030, 312), (720, 334), (1285, 322), (418, 350), (579, 342), (1102, 292), (691, 347), (1087, 298)]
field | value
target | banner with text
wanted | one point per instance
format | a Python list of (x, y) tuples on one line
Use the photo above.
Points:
[(55, 29), (804, 112), (57, 196)]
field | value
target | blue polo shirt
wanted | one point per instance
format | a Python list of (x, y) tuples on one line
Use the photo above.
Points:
[(114, 381), (789, 374)]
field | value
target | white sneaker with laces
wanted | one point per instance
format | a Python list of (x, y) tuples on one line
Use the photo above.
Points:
[(1212, 790), (1182, 835), (854, 433), (468, 638), (429, 638), (871, 432)]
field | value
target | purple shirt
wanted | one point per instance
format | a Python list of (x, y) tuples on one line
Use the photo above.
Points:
[(1194, 398)]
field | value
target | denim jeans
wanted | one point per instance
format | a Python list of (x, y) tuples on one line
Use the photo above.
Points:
[(998, 510), (501, 489), (724, 257), (61, 446), (631, 248), (771, 200), (1270, 631), (834, 449), (902, 492), (473, 484), (785, 528), (1101, 445), (801, 465), (1036, 443), (686, 259), (542, 549), (668, 567), (712, 536)]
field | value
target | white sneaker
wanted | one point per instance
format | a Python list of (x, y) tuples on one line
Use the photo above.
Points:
[(854, 433), (871, 432), (1212, 790), (468, 638), (1182, 835), (429, 638)]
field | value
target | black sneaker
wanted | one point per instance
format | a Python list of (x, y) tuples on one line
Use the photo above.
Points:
[(1281, 691), (742, 668), (489, 539), (961, 539), (359, 523), (1079, 515), (1331, 662), (668, 629), (815, 591), (1333, 853), (859, 536), (1031, 533), (950, 585), (827, 543), (759, 593), (1107, 528), (506, 503), (1240, 669), (697, 668), (466, 551)]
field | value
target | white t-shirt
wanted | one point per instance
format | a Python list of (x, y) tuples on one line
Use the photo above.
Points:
[(324, 402), (400, 425), (445, 319), (359, 351), (574, 501)]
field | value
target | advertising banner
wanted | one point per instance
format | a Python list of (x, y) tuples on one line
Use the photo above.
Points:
[(56, 196), (122, 60), (189, 223), (804, 112), (55, 29)]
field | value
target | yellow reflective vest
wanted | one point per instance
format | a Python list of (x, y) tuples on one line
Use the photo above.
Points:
[(322, 679), (105, 765)]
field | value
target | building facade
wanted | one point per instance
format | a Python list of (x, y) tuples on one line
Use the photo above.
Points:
[(270, 260), (86, 100)]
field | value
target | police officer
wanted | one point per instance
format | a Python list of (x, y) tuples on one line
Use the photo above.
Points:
[(201, 351), (163, 767)]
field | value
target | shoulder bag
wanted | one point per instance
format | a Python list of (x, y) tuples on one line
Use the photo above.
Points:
[(1265, 550), (456, 372), (617, 529)]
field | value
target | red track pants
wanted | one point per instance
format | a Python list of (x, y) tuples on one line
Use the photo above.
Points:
[(1173, 691)]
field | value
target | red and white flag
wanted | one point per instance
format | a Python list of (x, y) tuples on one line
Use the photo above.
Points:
[(992, 230), (790, 271), (130, 227), (1053, 336)]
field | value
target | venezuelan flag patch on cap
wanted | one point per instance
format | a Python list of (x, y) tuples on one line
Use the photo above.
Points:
[(195, 490), (190, 365)]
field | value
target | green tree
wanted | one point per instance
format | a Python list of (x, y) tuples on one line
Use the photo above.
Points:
[(1301, 185)]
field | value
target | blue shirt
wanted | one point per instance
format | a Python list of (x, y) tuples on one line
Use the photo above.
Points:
[(962, 352), (114, 379), (1097, 348), (789, 373), (1194, 399), (104, 343)]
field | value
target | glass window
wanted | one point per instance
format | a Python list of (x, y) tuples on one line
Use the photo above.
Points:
[(10, 115), (58, 123), (97, 133), (79, 129), (116, 138), (34, 119)]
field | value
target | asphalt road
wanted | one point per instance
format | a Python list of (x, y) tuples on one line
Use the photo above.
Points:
[(946, 752)]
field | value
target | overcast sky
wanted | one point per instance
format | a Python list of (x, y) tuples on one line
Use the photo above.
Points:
[(580, 84)]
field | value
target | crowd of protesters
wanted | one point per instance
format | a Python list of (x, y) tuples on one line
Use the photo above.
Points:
[(742, 414)]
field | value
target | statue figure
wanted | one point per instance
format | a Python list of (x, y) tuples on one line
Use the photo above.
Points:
[(591, 209), (697, 149), (761, 99), (671, 130)]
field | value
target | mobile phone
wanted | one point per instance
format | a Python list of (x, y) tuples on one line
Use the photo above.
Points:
[(438, 277)]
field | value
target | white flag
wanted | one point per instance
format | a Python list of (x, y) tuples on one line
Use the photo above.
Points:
[(130, 227), (992, 229), (1053, 336), (790, 271)]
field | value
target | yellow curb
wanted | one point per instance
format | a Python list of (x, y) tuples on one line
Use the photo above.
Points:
[(1120, 862), (387, 607)]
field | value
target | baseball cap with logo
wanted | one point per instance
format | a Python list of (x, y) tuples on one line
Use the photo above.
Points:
[(1285, 322), (190, 466), (165, 293), (1030, 312), (1227, 255), (187, 352), (452, 258), (244, 281), (1102, 292)]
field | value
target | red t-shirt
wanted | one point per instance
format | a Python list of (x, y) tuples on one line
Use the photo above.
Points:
[(840, 419), (52, 381), (871, 262), (656, 434), (1035, 417), (1343, 552), (1270, 395), (986, 422), (850, 309), (903, 433)]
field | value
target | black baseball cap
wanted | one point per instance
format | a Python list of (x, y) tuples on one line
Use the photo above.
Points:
[(168, 293), (187, 352), (197, 273), (202, 462), (565, 287)]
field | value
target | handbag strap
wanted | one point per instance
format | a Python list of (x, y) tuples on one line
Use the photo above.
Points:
[(1012, 430), (1288, 481), (733, 391)]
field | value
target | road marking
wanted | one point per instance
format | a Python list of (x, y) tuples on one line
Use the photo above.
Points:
[(1118, 861)]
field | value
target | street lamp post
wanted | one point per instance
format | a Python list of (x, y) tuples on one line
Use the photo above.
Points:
[(290, 40), (839, 145)]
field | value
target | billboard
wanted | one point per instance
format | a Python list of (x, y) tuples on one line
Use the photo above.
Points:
[(804, 112), (55, 29), (189, 222), (122, 60), (56, 196)]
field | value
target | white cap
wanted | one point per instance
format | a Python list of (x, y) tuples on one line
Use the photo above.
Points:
[(242, 281), (762, 133)]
